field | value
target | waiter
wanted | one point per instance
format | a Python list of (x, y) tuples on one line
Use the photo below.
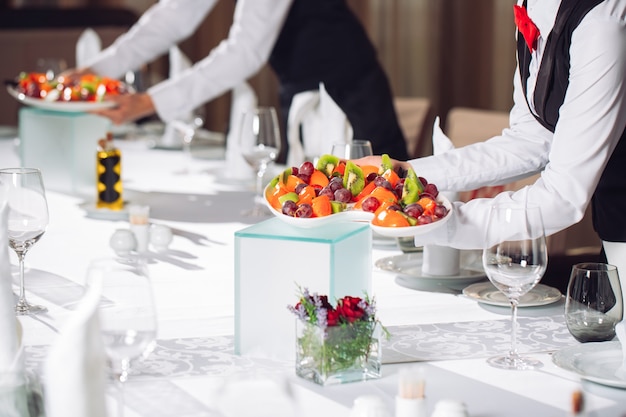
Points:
[(306, 42), (568, 122)]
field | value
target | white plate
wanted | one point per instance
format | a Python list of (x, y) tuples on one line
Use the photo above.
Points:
[(61, 106), (360, 215), (409, 267), (487, 293), (104, 214), (595, 361)]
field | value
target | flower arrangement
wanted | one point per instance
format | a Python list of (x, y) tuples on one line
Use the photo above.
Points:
[(338, 343)]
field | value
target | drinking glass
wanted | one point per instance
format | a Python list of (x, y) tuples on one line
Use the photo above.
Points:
[(259, 140), (127, 314), (515, 259), (352, 150), (27, 221), (594, 304)]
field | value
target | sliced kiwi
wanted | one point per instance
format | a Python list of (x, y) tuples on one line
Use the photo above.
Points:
[(288, 196), (327, 164), (284, 176), (353, 179), (385, 163), (337, 206), (412, 188), (274, 181)]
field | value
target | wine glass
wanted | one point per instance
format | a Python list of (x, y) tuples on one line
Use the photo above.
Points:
[(27, 222), (127, 314), (515, 259), (594, 304), (352, 150), (259, 140)]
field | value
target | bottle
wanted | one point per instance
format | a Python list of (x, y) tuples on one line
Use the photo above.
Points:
[(109, 175)]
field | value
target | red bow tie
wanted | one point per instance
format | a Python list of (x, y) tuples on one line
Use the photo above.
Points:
[(526, 27)]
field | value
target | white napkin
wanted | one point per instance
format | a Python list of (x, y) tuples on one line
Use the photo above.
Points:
[(243, 99), (322, 123), (620, 330), (87, 47), (9, 343), (74, 371), (172, 136), (441, 260)]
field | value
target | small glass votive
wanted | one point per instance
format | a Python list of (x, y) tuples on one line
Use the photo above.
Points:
[(593, 305), (139, 219), (20, 395)]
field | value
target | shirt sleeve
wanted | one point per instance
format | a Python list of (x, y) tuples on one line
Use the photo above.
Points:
[(255, 28), (592, 119), (163, 25)]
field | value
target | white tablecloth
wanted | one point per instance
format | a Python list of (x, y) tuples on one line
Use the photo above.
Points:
[(194, 283)]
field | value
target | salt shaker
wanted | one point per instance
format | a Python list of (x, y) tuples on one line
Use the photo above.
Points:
[(160, 237), (450, 408), (369, 406), (123, 242)]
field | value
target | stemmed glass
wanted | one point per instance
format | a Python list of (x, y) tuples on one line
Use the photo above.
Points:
[(352, 150), (27, 222), (127, 314), (259, 141), (515, 259)]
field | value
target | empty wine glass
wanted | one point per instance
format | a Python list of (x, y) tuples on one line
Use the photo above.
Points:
[(515, 260), (594, 304), (127, 314), (259, 141), (352, 150), (27, 222)]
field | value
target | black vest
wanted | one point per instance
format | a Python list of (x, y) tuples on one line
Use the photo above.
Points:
[(609, 199), (320, 40)]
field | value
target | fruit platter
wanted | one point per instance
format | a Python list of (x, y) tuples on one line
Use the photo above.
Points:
[(395, 204), (85, 93)]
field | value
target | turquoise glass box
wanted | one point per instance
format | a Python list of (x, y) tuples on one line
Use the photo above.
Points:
[(273, 258), (63, 146)]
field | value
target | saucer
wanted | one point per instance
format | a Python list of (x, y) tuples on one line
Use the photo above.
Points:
[(596, 362), (487, 293), (94, 212), (408, 266)]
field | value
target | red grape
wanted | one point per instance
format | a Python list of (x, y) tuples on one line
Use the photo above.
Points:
[(370, 204), (304, 210), (299, 187), (440, 211), (431, 189), (343, 195), (307, 168), (414, 210), (289, 208)]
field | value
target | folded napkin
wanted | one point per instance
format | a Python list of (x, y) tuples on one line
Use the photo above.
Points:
[(620, 330), (243, 99), (9, 344), (178, 64), (87, 47), (441, 260), (74, 371), (13, 392), (322, 123)]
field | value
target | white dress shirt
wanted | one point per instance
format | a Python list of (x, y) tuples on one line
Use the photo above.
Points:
[(255, 28), (571, 160)]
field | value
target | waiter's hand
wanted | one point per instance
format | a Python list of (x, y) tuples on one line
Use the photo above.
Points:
[(128, 108)]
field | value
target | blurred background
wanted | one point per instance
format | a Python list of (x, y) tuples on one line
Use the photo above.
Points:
[(455, 53)]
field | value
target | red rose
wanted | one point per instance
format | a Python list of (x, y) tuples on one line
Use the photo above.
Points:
[(332, 318), (349, 310)]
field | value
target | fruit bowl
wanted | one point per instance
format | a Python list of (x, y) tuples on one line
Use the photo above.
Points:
[(411, 231), (307, 223), (353, 214)]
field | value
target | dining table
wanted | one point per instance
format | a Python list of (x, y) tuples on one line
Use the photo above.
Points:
[(193, 369)]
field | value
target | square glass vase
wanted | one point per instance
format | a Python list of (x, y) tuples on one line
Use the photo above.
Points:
[(338, 354)]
